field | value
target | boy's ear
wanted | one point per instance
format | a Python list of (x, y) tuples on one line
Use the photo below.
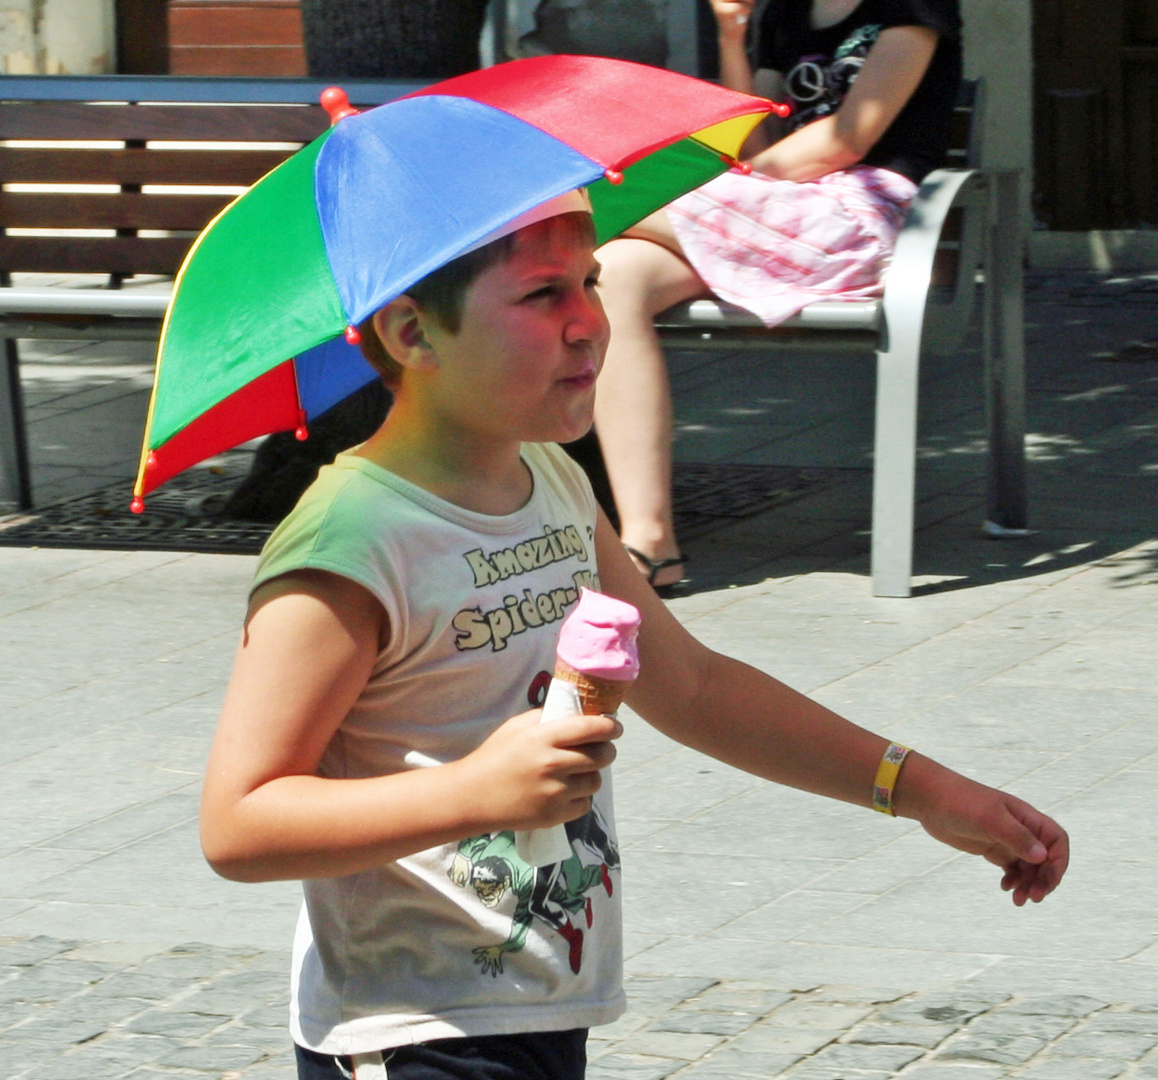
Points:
[(400, 326)]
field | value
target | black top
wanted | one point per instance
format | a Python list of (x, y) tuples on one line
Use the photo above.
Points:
[(819, 67)]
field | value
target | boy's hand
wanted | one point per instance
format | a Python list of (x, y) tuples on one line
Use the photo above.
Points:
[(529, 775), (1032, 848)]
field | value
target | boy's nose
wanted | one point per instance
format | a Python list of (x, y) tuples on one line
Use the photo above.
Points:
[(588, 322)]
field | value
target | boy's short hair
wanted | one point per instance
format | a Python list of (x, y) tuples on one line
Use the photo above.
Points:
[(441, 292)]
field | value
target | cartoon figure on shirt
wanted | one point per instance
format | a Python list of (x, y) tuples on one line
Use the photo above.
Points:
[(818, 84), (489, 865)]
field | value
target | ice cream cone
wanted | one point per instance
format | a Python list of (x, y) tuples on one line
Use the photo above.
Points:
[(596, 695)]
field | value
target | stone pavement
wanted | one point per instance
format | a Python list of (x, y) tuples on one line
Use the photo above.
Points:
[(769, 933), (194, 1010)]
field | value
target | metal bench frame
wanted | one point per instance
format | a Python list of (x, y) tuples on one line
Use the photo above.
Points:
[(914, 316)]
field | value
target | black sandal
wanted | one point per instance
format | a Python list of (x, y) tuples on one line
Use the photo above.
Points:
[(654, 566)]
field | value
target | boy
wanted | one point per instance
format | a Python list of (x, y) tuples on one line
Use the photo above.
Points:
[(374, 740)]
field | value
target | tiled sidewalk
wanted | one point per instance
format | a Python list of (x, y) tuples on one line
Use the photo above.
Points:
[(768, 933)]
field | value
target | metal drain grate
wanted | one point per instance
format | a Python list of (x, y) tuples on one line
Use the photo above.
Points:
[(176, 518), (706, 497), (179, 515)]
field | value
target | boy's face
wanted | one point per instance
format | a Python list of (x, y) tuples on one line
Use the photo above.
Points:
[(523, 363)]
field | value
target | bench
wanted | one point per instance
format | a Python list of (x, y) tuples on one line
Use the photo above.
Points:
[(962, 227), (170, 153)]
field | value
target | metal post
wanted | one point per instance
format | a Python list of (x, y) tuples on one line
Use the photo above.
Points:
[(15, 474), (1004, 351)]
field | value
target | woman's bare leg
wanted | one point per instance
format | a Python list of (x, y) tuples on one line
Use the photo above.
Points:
[(633, 414)]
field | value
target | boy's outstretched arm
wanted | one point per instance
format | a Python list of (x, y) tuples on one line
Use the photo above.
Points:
[(746, 718), (309, 646)]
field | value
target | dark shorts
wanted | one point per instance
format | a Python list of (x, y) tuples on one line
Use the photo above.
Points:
[(536, 1055)]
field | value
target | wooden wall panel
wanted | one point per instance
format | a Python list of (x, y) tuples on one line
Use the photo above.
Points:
[(241, 37)]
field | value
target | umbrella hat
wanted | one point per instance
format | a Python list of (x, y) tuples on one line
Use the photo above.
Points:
[(252, 341)]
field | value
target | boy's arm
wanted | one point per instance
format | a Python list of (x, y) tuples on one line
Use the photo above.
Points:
[(741, 716), (308, 648)]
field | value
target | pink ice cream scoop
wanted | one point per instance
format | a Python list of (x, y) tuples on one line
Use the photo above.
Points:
[(598, 638), (595, 660)]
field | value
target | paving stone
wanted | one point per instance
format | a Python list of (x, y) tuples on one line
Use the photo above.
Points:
[(733, 1062), (138, 984), (271, 1040), (175, 1024), (851, 1057), (41, 984), (999, 1023), (27, 951), (805, 1012), (277, 1068), (672, 1044), (1120, 1045), (780, 1039), (630, 1021), (735, 998), (818, 1070), (121, 954), (926, 1035), (696, 1021), (1004, 1049), (855, 995), (656, 993), (217, 1059), (20, 1056), (1144, 1022), (1053, 1067), (940, 1070), (225, 1002), (941, 1008), (1060, 1005), (632, 1067), (106, 1058), (61, 1031)]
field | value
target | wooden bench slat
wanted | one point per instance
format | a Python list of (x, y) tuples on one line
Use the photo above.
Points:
[(129, 210), (137, 166), (239, 123), (93, 255)]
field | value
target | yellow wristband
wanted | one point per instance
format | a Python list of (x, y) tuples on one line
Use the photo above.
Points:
[(886, 778)]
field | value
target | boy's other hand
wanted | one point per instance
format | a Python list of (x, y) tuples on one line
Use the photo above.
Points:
[(1030, 847), (529, 775)]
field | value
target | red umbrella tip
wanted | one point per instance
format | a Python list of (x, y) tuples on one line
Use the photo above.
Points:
[(613, 177), (734, 163), (781, 109), (137, 505), (353, 335), (336, 102)]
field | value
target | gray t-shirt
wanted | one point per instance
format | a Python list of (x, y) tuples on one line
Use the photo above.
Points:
[(462, 939)]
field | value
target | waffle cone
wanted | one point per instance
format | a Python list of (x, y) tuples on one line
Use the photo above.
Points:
[(596, 695)]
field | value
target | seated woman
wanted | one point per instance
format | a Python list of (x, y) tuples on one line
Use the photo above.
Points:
[(873, 84)]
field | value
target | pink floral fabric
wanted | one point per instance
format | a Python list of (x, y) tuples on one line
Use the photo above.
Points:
[(774, 246)]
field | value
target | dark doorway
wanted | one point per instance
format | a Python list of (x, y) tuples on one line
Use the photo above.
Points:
[(1096, 113), (142, 37)]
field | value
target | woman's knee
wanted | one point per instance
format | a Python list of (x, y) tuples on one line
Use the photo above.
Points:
[(644, 275)]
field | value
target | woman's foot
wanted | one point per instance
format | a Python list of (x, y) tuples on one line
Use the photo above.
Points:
[(663, 574)]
